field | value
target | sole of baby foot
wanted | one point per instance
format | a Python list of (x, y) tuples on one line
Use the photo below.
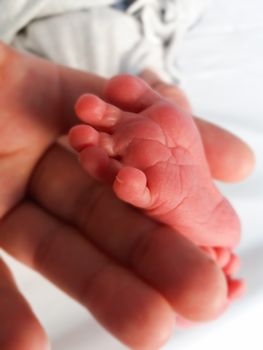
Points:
[(183, 197)]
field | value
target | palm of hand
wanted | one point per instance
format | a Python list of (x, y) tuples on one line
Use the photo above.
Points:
[(26, 131)]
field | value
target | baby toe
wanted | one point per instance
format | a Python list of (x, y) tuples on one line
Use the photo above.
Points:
[(130, 186), (236, 289), (82, 136), (98, 164), (93, 110), (223, 256)]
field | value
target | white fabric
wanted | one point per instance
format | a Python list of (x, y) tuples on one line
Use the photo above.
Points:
[(89, 35), (16, 14), (164, 24), (221, 62)]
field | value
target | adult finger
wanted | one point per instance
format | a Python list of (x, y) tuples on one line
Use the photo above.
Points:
[(230, 159), (162, 257), (51, 90), (129, 308), (20, 330)]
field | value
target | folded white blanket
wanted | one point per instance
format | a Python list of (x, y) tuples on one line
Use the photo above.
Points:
[(100, 37)]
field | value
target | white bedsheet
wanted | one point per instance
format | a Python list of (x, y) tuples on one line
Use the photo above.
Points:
[(221, 61)]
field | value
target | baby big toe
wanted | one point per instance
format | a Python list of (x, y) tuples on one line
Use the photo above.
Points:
[(91, 109), (130, 186)]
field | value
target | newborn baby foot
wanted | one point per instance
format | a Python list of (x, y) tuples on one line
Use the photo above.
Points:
[(155, 160)]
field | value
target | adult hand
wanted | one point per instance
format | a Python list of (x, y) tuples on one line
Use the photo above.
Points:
[(130, 272)]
